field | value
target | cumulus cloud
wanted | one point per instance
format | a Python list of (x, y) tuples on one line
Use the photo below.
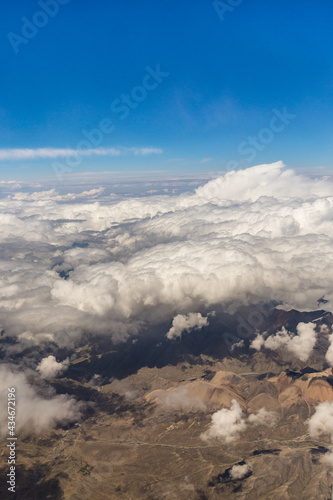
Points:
[(329, 352), (73, 264), (240, 471), (324, 328), (49, 367), (300, 345), (238, 345), (258, 342), (34, 414), (321, 422), (263, 417), (273, 182), (182, 323), (227, 424)]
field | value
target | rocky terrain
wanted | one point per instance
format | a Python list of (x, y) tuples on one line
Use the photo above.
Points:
[(146, 427)]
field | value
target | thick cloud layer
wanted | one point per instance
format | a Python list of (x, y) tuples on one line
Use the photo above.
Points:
[(72, 264)]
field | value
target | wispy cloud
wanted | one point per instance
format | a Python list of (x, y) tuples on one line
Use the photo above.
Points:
[(145, 151), (43, 153)]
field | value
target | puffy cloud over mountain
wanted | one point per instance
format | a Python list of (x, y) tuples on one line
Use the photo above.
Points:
[(300, 345), (227, 424), (240, 471), (49, 367), (182, 323), (321, 422), (329, 353), (263, 417), (35, 413)]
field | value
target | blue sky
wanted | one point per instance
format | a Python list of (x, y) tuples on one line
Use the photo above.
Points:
[(222, 81)]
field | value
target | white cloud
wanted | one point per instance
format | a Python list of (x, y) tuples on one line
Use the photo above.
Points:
[(240, 471), (10, 185), (300, 345), (49, 367), (182, 323), (280, 339), (321, 422), (34, 414), (227, 424), (52, 195), (176, 399), (260, 234), (329, 353), (258, 342), (239, 344), (273, 181), (328, 458), (146, 151), (40, 153), (263, 417)]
